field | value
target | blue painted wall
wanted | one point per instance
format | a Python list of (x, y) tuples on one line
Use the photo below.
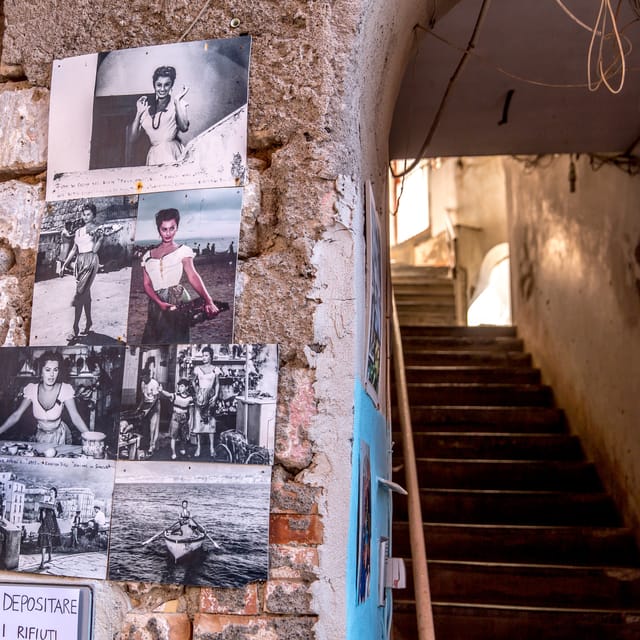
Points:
[(366, 620)]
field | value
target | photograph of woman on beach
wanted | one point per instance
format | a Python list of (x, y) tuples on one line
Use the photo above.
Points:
[(183, 281), (176, 112), (60, 402), (58, 514), (204, 526), (83, 272)]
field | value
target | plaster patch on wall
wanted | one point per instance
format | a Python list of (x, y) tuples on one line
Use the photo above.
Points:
[(332, 426)]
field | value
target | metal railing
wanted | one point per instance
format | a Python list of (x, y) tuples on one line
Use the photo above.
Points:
[(416, 533)]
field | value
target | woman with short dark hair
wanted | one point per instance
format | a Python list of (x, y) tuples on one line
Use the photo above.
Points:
[(49, 531), (87, 241), (162, 118), (47, 399), (162, 270)]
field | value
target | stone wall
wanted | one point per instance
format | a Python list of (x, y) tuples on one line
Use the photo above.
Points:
[(576, 293), (296, 155)]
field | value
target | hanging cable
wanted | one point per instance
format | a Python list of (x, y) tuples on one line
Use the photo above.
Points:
[(600, 35), (514, 76), (445, 97)]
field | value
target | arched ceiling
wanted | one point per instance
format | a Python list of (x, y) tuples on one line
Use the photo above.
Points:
[(535, 40)]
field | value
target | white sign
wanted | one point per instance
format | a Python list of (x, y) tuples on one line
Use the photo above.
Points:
[(37, 612)]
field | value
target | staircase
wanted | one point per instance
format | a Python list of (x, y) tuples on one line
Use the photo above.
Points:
[(424, 295), (523, 542)]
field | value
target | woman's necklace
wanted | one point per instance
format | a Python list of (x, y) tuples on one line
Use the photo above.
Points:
[(158, 112), (153, 119)]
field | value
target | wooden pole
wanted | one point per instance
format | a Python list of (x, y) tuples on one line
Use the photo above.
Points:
[(416, 533)]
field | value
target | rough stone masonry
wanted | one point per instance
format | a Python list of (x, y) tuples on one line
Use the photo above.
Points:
[(293, 212)]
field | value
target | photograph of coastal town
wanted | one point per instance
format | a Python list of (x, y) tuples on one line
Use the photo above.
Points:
[(55, 515)]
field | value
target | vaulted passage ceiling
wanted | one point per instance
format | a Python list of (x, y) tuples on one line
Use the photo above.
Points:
[(490, 112)]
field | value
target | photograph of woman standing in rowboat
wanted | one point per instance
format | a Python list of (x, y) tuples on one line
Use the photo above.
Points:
[(83, 272), (205, 527), (179, 292)]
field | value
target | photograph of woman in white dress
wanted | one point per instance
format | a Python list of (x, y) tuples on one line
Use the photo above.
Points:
[(162, 271), (162, 118), (128, 108), (173, 277), (83, 272)]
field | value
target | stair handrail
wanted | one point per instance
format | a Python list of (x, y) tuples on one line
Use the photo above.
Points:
[(422, 591)]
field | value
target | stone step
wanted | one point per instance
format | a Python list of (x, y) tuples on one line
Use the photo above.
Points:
[(468, 394), (607, 587), (470, 373), (521, 475), (494, 446), (426, 305), (487, 419), (509, 359), (461, 343), (410, 296), (439, 317), (557, 545), (478, 622), (454, 330), (513, 507)]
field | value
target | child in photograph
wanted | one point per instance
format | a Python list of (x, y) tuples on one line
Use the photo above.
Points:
[(182, 401)]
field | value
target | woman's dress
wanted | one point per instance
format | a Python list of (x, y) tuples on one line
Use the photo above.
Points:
[(162, 131), (150, 407), (204, 421), (49, 531), (166, 327), (51, 429), (87, 262)]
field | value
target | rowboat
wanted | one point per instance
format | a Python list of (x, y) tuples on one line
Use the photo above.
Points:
[(184, 539)]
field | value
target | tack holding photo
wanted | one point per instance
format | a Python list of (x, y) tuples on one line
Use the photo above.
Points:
[(149, 119), (83, 272), (184, 273), (212, 524), (55, 515), (60, 402)]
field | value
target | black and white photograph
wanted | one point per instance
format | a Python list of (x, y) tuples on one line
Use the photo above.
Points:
[(201, 525), (60, 402), (55, 515), (184, 272), (199, 403), (83, 272), (375, 302), (149, 119)]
